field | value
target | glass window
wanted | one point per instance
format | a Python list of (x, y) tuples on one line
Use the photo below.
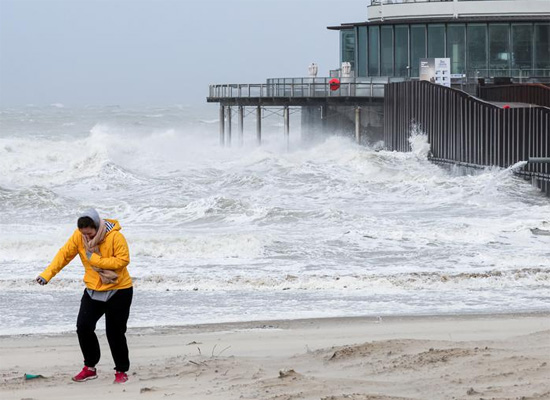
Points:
[(418, 47), (456, 49), (374, 41), (542, 48), (386, 51), (436, 41), (522, 46), (499, 48), (361, 51), (477, 50), (401, 50), (348, 46)]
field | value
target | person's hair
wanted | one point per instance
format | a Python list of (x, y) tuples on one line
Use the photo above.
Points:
[(86, 222)]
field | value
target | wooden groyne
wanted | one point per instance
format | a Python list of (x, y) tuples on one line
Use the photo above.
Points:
[(463, 129)]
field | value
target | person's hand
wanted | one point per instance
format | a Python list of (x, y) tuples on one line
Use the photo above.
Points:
[(41, 281)]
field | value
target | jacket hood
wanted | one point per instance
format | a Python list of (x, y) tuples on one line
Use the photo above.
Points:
[(112, 225), (93, 214)]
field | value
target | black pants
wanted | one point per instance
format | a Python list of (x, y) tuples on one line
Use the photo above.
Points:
[(117, 311)]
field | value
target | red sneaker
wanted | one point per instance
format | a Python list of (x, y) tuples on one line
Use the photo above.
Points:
[(85, 375), (120, 377)]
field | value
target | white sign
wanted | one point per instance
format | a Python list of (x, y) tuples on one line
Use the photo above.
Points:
[(443, 71), (436, 70)]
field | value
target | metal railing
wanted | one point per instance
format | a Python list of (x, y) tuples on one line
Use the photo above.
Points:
[(303, 88), (465, 130), (537, 94), (518, 75)]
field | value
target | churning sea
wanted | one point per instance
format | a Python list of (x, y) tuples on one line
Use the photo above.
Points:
[(325, 229)]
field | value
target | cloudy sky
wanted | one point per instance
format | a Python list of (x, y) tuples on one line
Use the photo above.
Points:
[(159, 52)]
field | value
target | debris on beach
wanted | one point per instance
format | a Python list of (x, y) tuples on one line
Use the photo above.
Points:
[(28, 377), (471, 392), (287, 373)]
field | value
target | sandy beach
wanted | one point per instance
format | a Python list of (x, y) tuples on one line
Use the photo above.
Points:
[(439, 357)]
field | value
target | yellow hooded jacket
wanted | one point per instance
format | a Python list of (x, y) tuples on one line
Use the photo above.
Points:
[(114, 256)]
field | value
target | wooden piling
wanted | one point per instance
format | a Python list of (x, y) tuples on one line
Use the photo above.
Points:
[(222, 125), (286, 117), (358, 124), (259, 125), (240, 125), (228, 127)]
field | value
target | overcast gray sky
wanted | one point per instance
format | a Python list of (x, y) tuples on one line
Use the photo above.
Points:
[(80, 52)]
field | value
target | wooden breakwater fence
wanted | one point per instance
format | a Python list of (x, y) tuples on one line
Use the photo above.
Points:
[(466, 130)]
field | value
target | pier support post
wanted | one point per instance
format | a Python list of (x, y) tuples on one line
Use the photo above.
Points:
[(358, 125), (240, 124), (324, 121), (222, 125), (229, 126), (286, 116), (259, 125)]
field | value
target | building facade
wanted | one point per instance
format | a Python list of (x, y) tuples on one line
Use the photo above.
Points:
[(483, 38)]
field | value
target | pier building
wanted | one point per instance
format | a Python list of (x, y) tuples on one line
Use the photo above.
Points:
[(483, 38)]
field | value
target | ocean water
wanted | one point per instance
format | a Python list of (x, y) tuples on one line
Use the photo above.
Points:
[(217, 234)]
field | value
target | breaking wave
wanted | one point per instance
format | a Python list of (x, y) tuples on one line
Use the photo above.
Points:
[(486, 280), (363, 229)]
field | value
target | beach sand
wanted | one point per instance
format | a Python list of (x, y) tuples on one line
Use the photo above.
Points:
[(439, 357)]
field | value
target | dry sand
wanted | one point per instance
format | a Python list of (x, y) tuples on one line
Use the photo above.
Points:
[(459, 357)]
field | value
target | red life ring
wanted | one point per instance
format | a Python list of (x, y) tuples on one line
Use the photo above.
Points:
[(334, 84)]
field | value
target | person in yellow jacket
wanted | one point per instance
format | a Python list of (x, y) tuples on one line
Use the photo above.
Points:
[(105, 256)]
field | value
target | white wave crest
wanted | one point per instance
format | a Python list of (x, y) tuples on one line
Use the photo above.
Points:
[(491, 280), (212, 247)]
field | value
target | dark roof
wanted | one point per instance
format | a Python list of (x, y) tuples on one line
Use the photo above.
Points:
[(522, 18)]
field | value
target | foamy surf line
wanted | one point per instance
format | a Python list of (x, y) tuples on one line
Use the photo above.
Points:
[(277, 324), (487, 280), (280, 322), (184, 307)]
